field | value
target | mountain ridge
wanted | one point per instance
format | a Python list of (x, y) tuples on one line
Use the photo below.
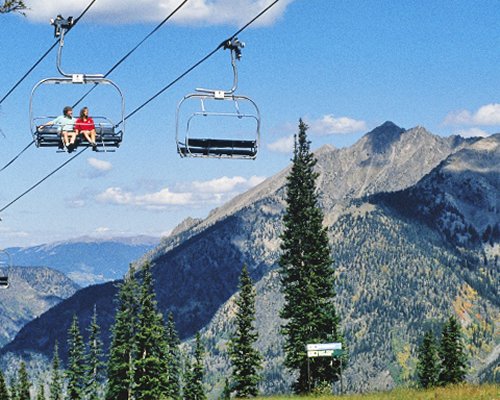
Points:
[(86, 260)]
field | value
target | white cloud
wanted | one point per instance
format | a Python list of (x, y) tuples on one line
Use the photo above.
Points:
[(208, 12), (198, 193), (283, 145), (488, 114), (98, 168), (164, 197), (100, 165), (102, 230), (472, 132), (329, 125), (219, 185)]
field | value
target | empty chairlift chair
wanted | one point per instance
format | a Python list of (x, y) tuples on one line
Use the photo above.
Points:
[(5, 264), (107, 133), (206, 104)]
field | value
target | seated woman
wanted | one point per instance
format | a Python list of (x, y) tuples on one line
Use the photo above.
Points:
[(66, 124), (85, 126)]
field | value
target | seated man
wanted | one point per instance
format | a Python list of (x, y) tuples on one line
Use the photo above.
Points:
[(66, 122)]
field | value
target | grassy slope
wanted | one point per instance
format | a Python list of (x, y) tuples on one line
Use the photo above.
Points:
[(459, 392)]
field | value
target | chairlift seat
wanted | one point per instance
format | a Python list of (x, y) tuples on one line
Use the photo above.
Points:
[(48, 136), (221, 143), (220, 147), (106, 136)]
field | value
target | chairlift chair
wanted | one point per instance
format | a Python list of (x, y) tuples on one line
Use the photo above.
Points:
[(107, 133), (241, 108), (5, 264)]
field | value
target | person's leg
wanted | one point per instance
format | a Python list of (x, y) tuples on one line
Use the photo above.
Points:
[(65, 138), (92, 136), (88, 136)]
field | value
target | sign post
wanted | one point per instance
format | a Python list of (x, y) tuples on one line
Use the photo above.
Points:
[(324, 350)]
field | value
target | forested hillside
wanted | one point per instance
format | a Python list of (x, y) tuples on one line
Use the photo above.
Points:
[(396, 278)]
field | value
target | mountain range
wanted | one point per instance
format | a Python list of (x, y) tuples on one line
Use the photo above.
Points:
[(412, 220), (86, 260)]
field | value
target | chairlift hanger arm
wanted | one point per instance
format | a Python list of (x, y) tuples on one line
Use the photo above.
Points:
[(235, 46), (61, 26)]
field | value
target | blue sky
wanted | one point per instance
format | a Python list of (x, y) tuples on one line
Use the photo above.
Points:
[(343, 66)]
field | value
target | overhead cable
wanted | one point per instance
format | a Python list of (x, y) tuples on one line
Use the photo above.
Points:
[(17, 156), (202, 60), (107, 73), (42, 180), (43, 56), (148, 101), (136, 47)]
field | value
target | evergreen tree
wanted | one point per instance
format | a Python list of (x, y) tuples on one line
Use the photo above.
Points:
[(13, 6), (14, 389), (95, 363), (75, 372), (452, 353), (151, 366), (173, 360), (4, 393), (23, 387), (245, 359), (226, 391), (187, 378), (123, 348), (428, 361), (56, 389), (194, 378), (307, 274), (41, 392)]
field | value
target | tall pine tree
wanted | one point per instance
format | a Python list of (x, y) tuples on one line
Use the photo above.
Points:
[(307, 274), (56, 385), (428, 361), (173, 360), (4, 393), (452, 353), (193, 389), (95, 363), (122, 352), (41, 392), (23, 391), (245, 359), (151, 372), (14, 388), (75, 373)]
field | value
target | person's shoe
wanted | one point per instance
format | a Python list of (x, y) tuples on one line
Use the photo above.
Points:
[(94, 147)]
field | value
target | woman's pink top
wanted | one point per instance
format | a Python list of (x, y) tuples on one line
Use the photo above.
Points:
[(82, 125)]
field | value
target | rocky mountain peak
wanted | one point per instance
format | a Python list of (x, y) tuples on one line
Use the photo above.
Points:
[(381, 138)]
